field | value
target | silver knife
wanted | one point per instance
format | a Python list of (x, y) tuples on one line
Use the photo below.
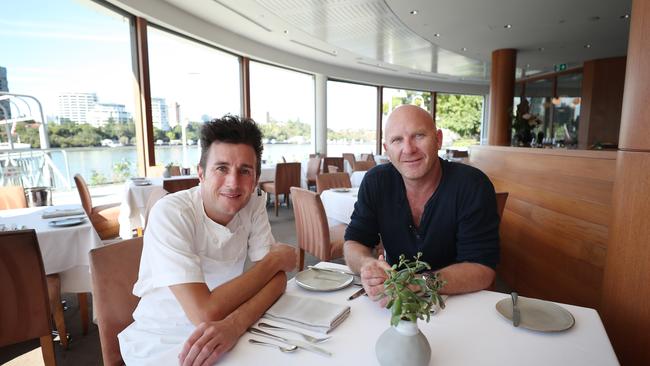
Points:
[(516, 316), (293, 342), (332, 270)]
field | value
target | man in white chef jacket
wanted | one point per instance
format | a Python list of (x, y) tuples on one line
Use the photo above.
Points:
[(191, 282)]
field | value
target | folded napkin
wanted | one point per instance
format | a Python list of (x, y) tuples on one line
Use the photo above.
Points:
[(308, 313), (62, 213)]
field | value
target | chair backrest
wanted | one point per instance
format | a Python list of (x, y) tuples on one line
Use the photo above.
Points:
[(332, 180), (25, 305), (367, 157), (502, 197), (175, 185), (84, 193), (12, 197), (337, 162), (175, 170), (313, 168), (287, 175), (350, 158), (363, 165), (114, 270), (312, 231)]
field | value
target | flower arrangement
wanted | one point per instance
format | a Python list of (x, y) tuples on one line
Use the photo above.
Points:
[(403, 301)]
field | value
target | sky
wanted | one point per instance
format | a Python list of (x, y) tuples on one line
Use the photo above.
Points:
[(51, 47)]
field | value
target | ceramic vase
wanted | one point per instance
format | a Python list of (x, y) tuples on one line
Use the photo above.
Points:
[(403, 344)]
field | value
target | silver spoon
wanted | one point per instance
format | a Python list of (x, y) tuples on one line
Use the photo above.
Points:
[(308, 338), (283, 349)]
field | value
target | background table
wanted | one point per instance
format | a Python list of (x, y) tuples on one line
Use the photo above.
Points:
[(134, 202), (469, 331), (64, 249), (357, 177), (339, 205)]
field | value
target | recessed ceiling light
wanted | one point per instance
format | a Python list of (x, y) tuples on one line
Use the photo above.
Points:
[(540, 49), (464, 49), (588, 45), (413, 12), (286, 31), (436, 35), (507, 26), (625, 16)]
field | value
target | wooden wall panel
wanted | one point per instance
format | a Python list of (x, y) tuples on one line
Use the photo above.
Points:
[(555, 225)]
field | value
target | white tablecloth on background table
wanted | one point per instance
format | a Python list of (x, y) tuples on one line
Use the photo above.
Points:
[(64, 249), (339, 205), (357, 177), (134, 202), (469, 331)]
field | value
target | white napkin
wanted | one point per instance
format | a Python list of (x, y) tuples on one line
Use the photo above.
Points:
[(50, 214), (308, 313)]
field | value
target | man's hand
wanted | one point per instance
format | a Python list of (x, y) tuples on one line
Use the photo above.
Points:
[(284, 255), (208, 343), (373, 275)]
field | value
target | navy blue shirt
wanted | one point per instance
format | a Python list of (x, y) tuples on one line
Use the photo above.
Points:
[(460, 222)]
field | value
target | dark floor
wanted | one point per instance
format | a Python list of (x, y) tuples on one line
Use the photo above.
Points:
[(86, 350)]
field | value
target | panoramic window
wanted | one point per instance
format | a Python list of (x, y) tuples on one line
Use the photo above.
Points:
[(460, 117), (282, 102), (192, 85), (351, 118), (75, 59)]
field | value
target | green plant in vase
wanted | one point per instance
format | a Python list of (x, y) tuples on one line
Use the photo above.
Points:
[(410, 297)]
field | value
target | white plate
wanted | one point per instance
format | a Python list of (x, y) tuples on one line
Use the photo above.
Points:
[(341, 189), (67, 222), (141, 182), (322, 280), (539, 315)]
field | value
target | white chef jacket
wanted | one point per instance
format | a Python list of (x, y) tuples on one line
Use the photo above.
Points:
[(183, 245)]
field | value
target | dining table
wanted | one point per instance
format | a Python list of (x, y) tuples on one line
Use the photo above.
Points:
[(339, 204), (64, 249), (468, 331)]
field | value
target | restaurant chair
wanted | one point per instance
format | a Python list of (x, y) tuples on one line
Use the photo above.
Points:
[(350, 158), (367, 157), (104, 217), (313, 169), (332, 161), (332, 180), (312, 231), (114, 269), (175, 171), (458, 153), (363, 165), (12, 197), (175, 185), (287, 175), (25, 308)]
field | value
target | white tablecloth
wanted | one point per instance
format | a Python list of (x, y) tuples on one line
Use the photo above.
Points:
[(64, 249), (357, 177), (134, 202), (339, 205), (469, 331)]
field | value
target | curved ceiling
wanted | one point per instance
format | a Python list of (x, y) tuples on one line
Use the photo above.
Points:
[(448, 40)]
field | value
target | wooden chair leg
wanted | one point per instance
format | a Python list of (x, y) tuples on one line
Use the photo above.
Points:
[(277, 202), (54, 292), (301, 259), (82, 297), (47, 347)]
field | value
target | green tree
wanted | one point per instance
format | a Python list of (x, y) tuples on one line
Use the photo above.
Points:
[(460, 113)]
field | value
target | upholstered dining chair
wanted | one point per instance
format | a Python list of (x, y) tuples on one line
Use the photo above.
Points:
[(12, 197), (367, 157), (313, 169), (332, 180), (114, 270), (350, 158), (312, 231), (332, 161), (25, 305), (363, 165), (287, 175), (180, 184), (104, 217)]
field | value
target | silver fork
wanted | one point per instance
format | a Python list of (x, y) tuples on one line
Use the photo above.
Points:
[(308, 338)]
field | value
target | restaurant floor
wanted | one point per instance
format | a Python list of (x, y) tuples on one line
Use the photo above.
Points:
[(86, 350)]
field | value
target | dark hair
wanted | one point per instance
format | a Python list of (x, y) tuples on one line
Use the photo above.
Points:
[(233, 130)]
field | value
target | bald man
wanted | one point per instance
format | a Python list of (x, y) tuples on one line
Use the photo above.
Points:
[(421, 203)]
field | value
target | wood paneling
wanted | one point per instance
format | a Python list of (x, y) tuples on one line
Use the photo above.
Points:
[(555, 225), (502, 88)]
